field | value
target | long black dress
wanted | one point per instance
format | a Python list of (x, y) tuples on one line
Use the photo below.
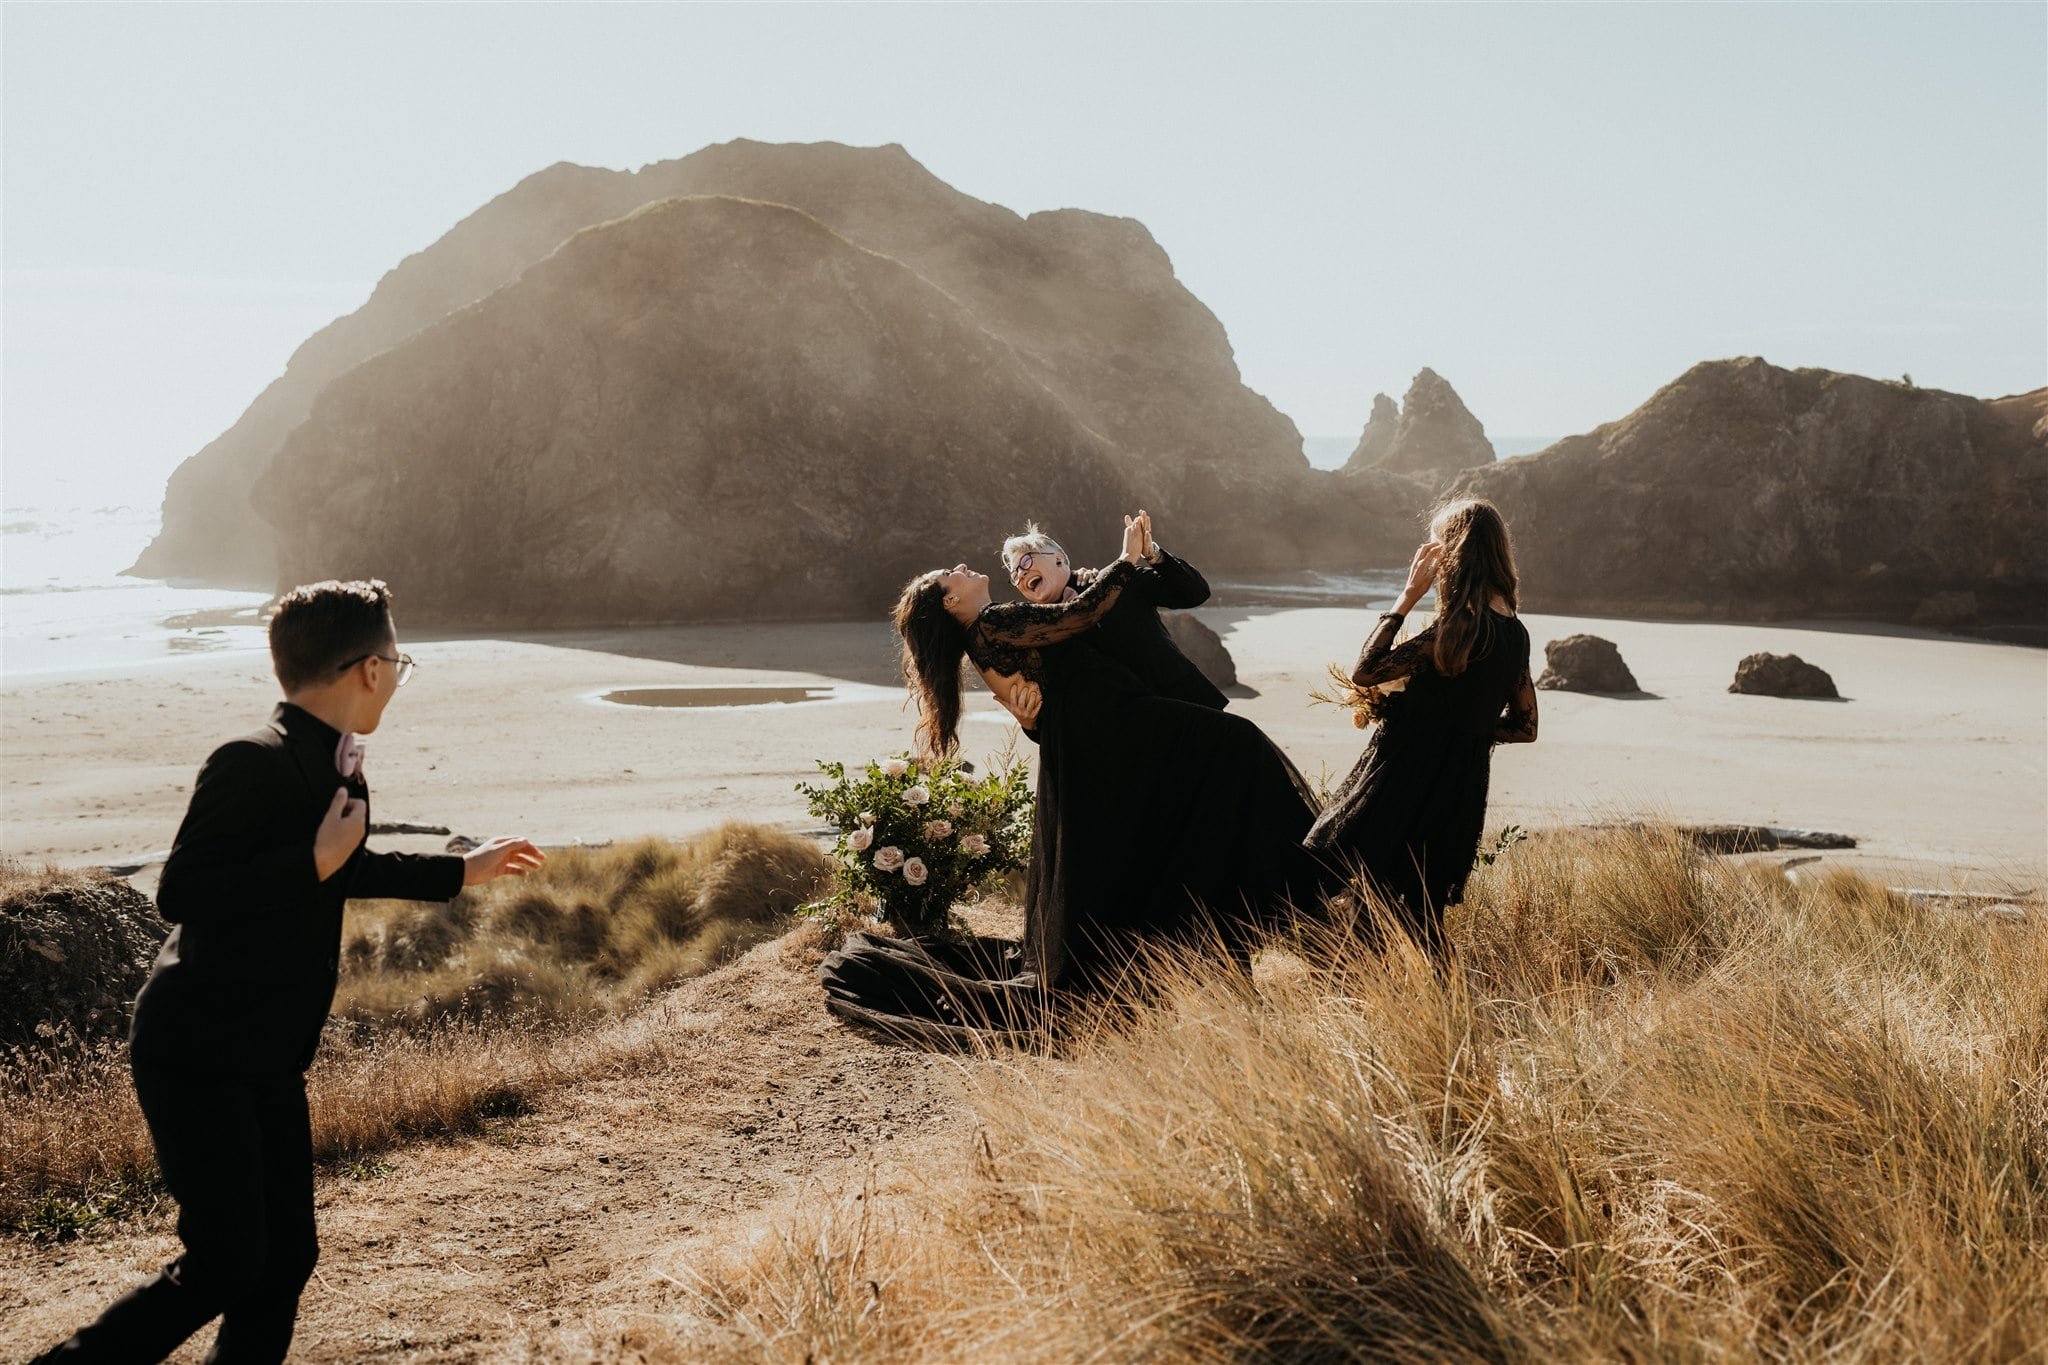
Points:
[(1409, 816), (1156, 819)]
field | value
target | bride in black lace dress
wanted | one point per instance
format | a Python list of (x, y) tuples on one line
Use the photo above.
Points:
[(1407, 820), (1156, 818)]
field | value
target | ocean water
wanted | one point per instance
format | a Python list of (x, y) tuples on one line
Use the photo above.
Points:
[(65, 608)]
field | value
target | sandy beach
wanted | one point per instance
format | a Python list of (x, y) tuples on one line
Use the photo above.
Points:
[(1936, 761)]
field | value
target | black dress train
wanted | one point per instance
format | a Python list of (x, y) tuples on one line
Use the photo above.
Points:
[(1410, 814), (1156, 819)]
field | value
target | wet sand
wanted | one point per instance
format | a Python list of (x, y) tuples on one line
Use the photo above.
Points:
[(1937, 759)]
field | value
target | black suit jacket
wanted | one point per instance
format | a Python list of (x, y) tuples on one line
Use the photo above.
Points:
[(245, 980), (1132, 633)]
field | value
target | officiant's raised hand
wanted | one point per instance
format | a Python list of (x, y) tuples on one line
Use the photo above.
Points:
[(1134, 539), (501, 857)]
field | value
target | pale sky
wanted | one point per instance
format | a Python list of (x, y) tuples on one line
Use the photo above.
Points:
[(1559, 208)]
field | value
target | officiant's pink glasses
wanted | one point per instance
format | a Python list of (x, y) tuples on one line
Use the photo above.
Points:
[(404, 662), (1025, 560)]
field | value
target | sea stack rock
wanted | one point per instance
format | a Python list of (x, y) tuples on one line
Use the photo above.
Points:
[(1585, 663), (1434, 436), (1742, 490), (1086, 307), (712, 408), (1378, 437), (1203, 646), (1781, 675)]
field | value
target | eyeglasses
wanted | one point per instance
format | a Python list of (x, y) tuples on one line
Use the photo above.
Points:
[(1025, 561), (404, 662)]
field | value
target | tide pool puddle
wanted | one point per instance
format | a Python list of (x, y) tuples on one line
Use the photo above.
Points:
[(701, 697)]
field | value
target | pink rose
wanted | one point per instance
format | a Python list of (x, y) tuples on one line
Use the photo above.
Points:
[(888, 859), (894, 767), (974, 845), (939, 829), (955, 809), (917, 796), (914, 871), (859, 840), (867, 817)]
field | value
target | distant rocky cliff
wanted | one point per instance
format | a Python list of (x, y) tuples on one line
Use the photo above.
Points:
[(1084, 306), (1744, 490)]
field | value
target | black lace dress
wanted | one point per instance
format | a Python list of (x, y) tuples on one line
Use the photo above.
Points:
[(1410, 815), (1156, 819)]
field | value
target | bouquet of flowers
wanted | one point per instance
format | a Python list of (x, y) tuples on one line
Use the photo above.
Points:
[(1366, 704), (916, 838)]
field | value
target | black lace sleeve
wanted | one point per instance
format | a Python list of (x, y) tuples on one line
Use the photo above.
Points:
[(1008, 638), (1382, 661), (1037, 625), (1518, 724)]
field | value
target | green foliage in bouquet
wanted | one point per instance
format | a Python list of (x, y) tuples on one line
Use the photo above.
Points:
[(916, 838)]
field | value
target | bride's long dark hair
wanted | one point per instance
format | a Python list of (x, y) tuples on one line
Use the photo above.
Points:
[(934, 643), (1478, 565)]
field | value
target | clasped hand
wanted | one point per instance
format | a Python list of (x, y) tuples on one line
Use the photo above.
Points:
[(1139, 547)]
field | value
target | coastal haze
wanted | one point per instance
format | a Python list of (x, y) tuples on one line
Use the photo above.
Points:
[(765, 378), (646, 351)]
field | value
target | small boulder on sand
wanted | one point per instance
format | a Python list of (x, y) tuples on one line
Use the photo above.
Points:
[(1203, 646), (1781, 675), (1585, 663)]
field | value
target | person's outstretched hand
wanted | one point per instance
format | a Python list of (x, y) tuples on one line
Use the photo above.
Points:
[(341, 829), (1421, 574), (505, 856)]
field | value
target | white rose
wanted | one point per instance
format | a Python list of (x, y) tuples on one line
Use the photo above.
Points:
[(914, 871), (888, 859), (955, 809), (974, 845), (867, 817), (894, 767), (859, 840), (939, 829), (917, 796)]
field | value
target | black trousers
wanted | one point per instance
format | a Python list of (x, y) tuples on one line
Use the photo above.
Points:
[(237, 1154)]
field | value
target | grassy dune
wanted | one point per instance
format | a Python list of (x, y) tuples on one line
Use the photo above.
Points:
[(1663, 1107), (446, 1017)]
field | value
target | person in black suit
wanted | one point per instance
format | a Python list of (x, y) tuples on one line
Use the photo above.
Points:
[(229, 1018), (1131, 633)]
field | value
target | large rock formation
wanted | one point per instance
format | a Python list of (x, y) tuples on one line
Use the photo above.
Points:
[(1432, 436), (712, 407), (1745, 490), (1086, 306)]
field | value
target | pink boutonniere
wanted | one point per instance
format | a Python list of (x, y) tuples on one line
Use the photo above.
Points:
[(348, 757)]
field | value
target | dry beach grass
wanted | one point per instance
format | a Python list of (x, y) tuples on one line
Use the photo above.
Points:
[(1664, 1107), (447, 1015)]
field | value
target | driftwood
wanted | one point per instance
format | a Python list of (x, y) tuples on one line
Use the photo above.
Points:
[(1746, 838)]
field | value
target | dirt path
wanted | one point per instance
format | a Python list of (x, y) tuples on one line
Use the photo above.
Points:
[(552, 1235)]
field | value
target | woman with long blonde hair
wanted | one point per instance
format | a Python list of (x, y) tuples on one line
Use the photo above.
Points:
[(1406, 822)]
